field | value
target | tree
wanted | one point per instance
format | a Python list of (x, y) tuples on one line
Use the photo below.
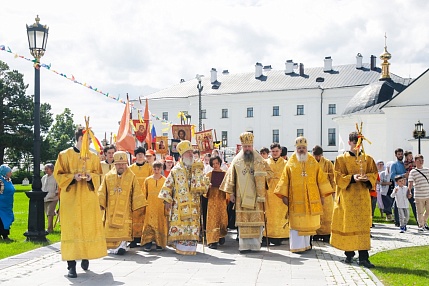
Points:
[(61, 135), (16, 116)]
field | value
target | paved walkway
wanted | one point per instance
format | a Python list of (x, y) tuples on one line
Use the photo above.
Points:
[(321, 266)]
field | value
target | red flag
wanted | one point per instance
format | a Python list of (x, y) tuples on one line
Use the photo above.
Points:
[(125, 140)]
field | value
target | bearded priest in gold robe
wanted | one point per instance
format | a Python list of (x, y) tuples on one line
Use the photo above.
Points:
[(324, 232), (355, 175), (82, 235), (246, 182), (302, 187), (120, 194), (276, 212), (181, 193), (142, 169)]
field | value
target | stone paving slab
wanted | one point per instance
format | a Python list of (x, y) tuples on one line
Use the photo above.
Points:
[(324, 265)]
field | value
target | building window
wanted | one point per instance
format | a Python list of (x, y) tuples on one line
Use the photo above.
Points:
[(332, 109), (165, 134), (165, 115), (299, 132), (276, 112), (300, 109), (250, 112), (276, 136), (331, 137), (224, 138), (225, 113), (203, 114)]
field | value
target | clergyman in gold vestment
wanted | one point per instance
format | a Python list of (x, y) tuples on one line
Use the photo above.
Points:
[(246, 182), (142, 169), (120, 194), (355, 175), (276, 212), (82, 234), (302, 187), (324, 232)]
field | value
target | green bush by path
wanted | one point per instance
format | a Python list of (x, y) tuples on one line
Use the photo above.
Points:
[(404, 266), (20, 225)]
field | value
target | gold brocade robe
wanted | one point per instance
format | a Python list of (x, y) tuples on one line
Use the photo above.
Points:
[(217, 217), (248, 183), (155, 227), (120, 196), (82, 234), (141, 172), (276, 210), (352, 220), (304, 184), (328, 203), (185, 199)]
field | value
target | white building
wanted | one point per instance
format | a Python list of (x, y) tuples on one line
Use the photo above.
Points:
[(276, 105)]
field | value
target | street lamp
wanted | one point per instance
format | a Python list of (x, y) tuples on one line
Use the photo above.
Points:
[(37, 39), (224, 143), (200, 89), (419, 133)]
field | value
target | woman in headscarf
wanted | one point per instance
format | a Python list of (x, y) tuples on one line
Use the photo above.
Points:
[(7, 191)]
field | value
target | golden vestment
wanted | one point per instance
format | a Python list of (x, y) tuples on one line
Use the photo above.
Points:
[(304, 184), (120, 196), (82, 234), (248, 183), (217, 217), (141, 172), (183, 189), (328, 203), (106, 167), (155, 227), (276, 210), (352, 220)]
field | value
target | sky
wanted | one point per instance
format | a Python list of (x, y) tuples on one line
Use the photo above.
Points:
[(139, 47)]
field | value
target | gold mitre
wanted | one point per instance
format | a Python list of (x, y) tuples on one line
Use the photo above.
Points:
[(120, 157), (246, 138), (184, 146), (300, 141)]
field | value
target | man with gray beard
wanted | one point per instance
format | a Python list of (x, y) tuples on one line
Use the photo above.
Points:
[(181, 193), (302, 187), (246, 182)]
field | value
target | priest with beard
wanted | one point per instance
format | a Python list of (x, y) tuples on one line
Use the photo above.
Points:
[(181, 193), (246, 182), (302, 187)]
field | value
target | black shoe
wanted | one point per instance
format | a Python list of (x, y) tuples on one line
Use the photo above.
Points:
[(426, 227), (366, 264), (213, 245), (349, 260), (245, 251), (222, 240), (236, 239), (84, 264), (159, 248), (147, 247), (132, 244), (276, 241), (326, 238), (72, 272)]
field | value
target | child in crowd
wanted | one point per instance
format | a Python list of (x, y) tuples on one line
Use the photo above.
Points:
[(155, 225), (401, 195), (409, 163)]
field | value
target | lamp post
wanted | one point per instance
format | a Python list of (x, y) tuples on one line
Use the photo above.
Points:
[(37, 39), (224, 143), (419, 133), (200, 89)]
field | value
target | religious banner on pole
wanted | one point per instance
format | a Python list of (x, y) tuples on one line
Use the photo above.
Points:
[(181, 132), (141, 130), (161, 144), (204, 141)]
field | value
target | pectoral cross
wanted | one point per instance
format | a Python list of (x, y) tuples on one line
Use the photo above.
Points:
[(303, 173)]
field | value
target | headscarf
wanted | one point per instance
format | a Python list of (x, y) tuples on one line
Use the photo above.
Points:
[(4, 169)]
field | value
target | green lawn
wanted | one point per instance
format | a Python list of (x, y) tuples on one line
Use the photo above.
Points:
[(404, 266), (20, 225)]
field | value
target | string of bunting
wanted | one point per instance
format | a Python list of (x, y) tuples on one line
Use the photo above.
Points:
[(73, 79)]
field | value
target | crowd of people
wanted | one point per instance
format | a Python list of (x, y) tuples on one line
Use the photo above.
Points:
[(109, 206)]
